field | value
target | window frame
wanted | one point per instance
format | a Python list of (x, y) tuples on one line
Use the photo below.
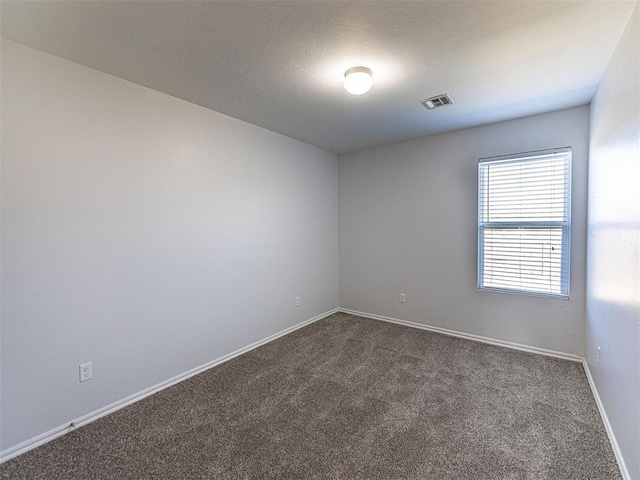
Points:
[(565, 225)]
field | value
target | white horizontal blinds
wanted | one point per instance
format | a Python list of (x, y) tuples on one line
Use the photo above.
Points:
[(524, 223), (528, 260)]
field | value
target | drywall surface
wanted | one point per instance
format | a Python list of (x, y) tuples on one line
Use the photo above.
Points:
[(613, 248), (280, 64), (144, 234), (408, 224)]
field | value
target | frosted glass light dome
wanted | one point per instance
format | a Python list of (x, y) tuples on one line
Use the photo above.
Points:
[(358, 80)]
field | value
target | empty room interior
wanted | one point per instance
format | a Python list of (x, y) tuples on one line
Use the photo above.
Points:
[(320, 239)]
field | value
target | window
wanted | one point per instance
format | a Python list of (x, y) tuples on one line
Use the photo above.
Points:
[(524, 223)]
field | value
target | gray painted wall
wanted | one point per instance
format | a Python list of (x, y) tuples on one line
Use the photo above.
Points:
[(408, 223), (144, 234), (613, 251)]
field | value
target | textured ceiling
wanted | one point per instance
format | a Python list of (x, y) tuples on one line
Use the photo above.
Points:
[(279, 65)]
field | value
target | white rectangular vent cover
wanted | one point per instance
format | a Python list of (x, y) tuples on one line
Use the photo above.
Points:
[(437, 101)]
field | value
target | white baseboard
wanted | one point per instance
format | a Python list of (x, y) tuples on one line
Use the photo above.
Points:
[(468, 336), (93, 416), (612, 438)]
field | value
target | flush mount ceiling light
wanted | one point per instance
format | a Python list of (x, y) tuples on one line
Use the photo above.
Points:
[(358, 80)]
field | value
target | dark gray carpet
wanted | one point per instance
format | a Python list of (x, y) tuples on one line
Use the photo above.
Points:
[(349, 398)]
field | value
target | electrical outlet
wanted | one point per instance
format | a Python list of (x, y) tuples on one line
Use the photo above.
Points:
[(86, 372), (403, 298), (598, 352), (297, 301)]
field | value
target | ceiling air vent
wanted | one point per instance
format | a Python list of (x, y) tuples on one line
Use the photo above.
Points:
[(437, 101)]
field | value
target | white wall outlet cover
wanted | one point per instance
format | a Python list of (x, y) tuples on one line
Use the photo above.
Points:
[(297, 301), (403, 298), (86, 372)]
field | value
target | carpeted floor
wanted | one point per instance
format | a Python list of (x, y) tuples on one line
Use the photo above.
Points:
[(349, 398)]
